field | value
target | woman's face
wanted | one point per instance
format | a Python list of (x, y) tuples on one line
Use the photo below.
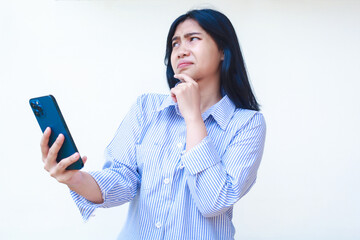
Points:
[(194, 52)]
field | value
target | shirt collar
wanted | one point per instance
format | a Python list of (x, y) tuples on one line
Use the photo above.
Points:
[(166, 103), (222, 111)]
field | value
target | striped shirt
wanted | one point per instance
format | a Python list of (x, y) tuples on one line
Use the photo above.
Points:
[(175, 194)]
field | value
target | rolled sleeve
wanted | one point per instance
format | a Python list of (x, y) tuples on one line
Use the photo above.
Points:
[(105, 180), (229, 177), (116, 189), (201, 157)]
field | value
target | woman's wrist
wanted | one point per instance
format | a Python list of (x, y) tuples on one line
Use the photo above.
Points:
[(195, 132), (194, 118), (76, 181), (87, 187)]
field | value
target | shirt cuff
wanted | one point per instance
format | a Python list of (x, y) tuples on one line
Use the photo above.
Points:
[(106, 181), (201, 157)]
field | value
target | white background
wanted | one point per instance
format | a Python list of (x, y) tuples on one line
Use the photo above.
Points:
[(96, 57)]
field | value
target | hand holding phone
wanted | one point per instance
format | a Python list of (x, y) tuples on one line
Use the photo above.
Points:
[(78, 181), (48, 114), (58, 170)]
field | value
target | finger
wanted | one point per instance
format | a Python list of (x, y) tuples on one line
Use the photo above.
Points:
[(64, 163), (178, 77), (173, 94), (184, 78), (53, 151), (44, 143)]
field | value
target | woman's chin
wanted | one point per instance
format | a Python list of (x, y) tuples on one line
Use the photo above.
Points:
[(188, 72)]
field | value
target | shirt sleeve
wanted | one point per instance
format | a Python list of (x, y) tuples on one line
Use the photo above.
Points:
[(119, 178), (217, 182)]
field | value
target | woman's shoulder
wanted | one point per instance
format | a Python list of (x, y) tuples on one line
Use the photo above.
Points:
[(244, 117)]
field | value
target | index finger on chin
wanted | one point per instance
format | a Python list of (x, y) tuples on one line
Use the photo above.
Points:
[(183, 78)]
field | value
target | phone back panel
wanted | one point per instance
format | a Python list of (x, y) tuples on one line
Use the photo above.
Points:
[(48, 114)]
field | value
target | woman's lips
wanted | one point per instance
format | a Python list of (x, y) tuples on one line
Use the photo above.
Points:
[(183, 64)]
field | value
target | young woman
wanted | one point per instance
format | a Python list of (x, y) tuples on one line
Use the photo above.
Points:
[(182, 160)]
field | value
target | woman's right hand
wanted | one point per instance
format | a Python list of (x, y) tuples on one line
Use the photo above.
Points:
[(58, 170)]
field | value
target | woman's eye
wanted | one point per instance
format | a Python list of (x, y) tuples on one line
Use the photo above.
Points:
[(175, 44), (194, 38)]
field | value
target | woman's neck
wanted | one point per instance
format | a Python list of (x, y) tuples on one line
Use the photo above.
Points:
[(210, 94)]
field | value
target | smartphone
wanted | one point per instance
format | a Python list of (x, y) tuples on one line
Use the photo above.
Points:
[(48, 114)]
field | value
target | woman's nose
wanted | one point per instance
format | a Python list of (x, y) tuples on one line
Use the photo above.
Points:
[(183, 51)]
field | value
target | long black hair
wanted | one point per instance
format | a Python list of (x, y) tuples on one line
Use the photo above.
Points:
[(233, 77)]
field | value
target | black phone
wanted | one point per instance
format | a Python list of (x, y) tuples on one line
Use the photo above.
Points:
[(48, 114)]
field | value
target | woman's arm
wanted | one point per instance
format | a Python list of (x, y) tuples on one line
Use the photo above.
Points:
[(217, 182), (78, 181), (187, 95)]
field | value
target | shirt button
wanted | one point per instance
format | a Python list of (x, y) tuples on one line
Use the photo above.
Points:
[(158, 225), (182, 166), (166, 180), (179, 145)]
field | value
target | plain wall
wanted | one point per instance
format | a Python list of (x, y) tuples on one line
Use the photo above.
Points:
[(96, 57)]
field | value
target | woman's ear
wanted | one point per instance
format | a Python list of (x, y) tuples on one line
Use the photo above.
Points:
[(222, 55)]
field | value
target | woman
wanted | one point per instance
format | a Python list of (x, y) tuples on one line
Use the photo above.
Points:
[(182, 160)]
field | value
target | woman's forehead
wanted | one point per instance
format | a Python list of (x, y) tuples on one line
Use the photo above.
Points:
[(189, 25)]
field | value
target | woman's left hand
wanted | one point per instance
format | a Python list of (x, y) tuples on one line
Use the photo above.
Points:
[(187, 95)]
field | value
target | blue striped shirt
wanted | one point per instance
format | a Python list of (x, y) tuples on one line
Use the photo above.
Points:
[(176, 194)]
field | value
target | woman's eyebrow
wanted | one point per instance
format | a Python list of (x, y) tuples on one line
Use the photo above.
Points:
[(186, 35)]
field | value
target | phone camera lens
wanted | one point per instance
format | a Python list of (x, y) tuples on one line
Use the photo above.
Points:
[(37, 113), (37, 108)]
